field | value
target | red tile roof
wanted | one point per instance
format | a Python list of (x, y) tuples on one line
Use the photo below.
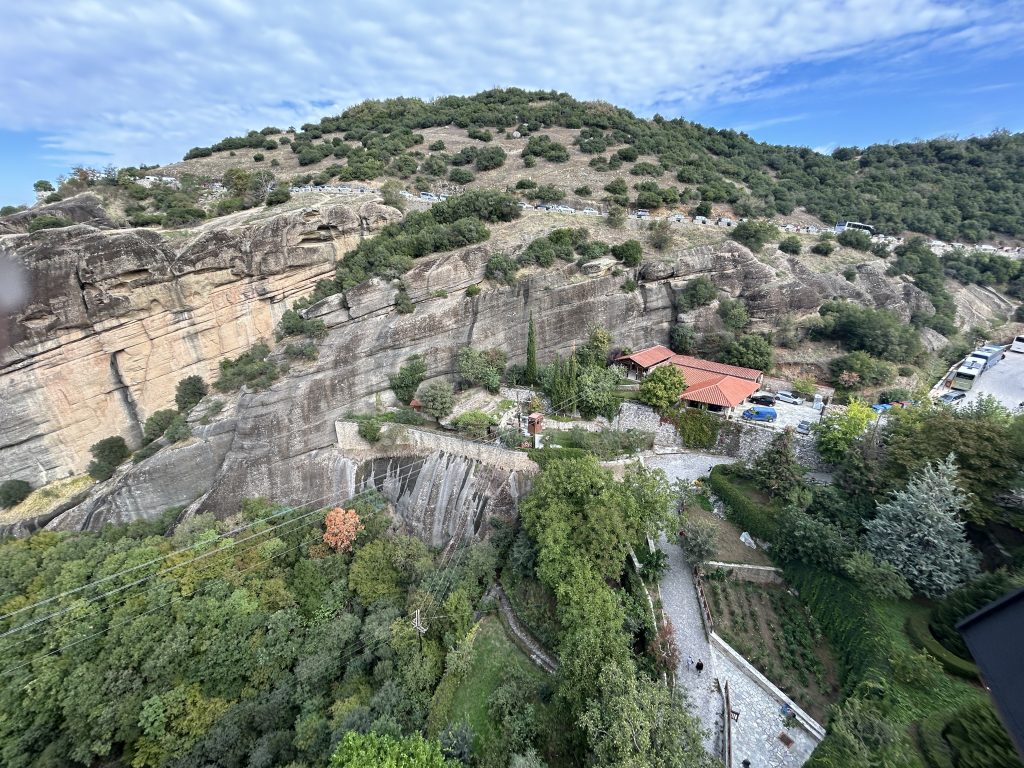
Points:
[(647, 358), (685, 361), (726, 391)]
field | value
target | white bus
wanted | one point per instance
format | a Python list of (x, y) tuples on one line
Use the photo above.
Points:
[(965, 377), (1017, 345), (986, 356)]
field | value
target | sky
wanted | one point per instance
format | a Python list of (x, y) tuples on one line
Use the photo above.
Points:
[(126, 83)]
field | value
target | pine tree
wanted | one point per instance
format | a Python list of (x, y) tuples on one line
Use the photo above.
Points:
[(919, 533), (777, 470), (531, 354)]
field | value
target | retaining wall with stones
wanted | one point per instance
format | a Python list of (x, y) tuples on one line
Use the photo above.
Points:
[(758, 574)]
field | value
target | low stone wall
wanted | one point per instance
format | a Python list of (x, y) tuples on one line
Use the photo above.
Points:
[(809, 723), (758, 574), (754, 439)]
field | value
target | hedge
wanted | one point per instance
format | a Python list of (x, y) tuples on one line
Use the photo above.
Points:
[(921, 636), (757, 519), (931, 743), (544, 456)]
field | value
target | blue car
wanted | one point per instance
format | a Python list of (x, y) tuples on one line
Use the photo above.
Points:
[(760, 413), (881, 407)]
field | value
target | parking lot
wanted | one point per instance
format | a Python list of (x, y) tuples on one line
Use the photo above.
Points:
[(1004, 381), (789, 415)]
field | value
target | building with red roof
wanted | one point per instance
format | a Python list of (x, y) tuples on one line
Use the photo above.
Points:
[(716, 386)]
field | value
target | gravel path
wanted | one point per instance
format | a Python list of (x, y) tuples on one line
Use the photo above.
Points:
[(686, 466)]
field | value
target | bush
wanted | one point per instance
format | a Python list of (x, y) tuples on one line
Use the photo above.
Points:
[(107, 454), (481, 368), (583, 191), (544, 456), (754, 234), (659, 235), (489, 158), (369, 430), (734, 314), (547, 193), (305, 351), (921, 636), (437, 146), (543, 146), (480, 134), (408, 379), (875, 331), (526, 184), (13, 492), (855, 238), (605, 444), (403, 304), (250, 368), (473, 290), (279, 194), (474, 423), (146, 451), (460, 176), (790, 244), (630, 253), (178, 430), (259, 157), (501, 269), (823, 247), (697, 427), (48, 221), (438, 399), (860, 369), (189, 392), (156, 425), (698, 293)]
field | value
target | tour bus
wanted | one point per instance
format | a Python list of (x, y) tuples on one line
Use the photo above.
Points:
[(965, 377), (987, 356), (1018, 344)]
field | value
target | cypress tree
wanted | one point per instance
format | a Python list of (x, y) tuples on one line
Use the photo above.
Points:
[(531, 354)]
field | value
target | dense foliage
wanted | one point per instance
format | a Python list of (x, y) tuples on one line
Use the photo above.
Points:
[(954, 189), (251, 368), (13, 492)]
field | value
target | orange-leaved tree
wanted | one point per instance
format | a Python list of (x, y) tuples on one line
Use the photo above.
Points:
[(343, 525)]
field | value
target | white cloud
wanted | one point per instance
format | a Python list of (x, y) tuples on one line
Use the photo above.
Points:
[(145, 81)]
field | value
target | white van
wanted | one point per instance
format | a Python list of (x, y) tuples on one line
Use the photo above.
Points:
[(1017, 345)]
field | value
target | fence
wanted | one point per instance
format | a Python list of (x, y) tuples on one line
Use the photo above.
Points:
[(709, 624), (727, 747)]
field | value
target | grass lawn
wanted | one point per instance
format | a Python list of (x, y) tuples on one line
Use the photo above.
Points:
[(777, 634), (730, 548)]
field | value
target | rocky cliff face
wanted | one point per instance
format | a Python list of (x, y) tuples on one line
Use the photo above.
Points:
[(116, 318)]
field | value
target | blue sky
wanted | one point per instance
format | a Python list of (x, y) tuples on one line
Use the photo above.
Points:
[(125, 83)]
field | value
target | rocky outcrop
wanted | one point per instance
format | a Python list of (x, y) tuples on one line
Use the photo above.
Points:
[(115, 318), (86, 208)]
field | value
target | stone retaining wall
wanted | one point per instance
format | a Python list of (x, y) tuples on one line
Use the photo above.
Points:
[(758, 574)]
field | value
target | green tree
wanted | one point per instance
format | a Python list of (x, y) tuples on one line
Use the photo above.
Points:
[(481, 368), (918, 531), (107, 454), (778, 472), (376, 750), (189, 392), (698, 539), (408, 379), (662, 387), (636, 721), (531, 353), (855, 238), (42, 186), (749, 351), (681, 339), (659, 235), (596, 387), (703, 208), (391, 193), (616, 218), (13, 492), (47, 221), (836, 433), (629, 253), (438, 399)]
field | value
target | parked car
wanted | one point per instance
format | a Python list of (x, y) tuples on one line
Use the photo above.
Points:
[(544, 207), (642, 213), (881, 407), (760, 413), (525, 206), (591, 212), (951, 397), (788, 397), (763, 398), (804, 427)]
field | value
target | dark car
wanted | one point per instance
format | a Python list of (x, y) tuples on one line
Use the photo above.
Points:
[(951, 397), (768, 400), (804, 427)]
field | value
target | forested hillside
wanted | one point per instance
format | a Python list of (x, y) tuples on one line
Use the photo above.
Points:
[(970, 190)]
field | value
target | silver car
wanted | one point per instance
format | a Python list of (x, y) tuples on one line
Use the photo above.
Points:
[(788, 397)]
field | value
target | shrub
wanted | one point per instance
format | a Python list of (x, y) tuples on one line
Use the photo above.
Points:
[(749, 351), (48, 221), (698, 293), (146, 451), (438, 399), (659, 235), (734, 314), (526, 184), (259, 157), (702, 208), (543, 146), (305, 351), (403, 304), (473, 290), (629, 253), (183, 215), (294, 324), (583, 191), (460, 176), (616, 218), (697, 427), (13, 492), (250, 368), (501, 269), (408, 379), (850, 273), (480, 134), (629, 286), (437, 146), (369, 430), (157, 424), (790, 244), (107, 454), (646, 169), (53, 197), (754, 234), (547, 193), (855, 238), (875, 331), (279, 194), (661, 388), (178, 430), (489, 158), (823, 247), (481, 368), (860, 369), (189, 392), (474, 423), (681, 339)]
